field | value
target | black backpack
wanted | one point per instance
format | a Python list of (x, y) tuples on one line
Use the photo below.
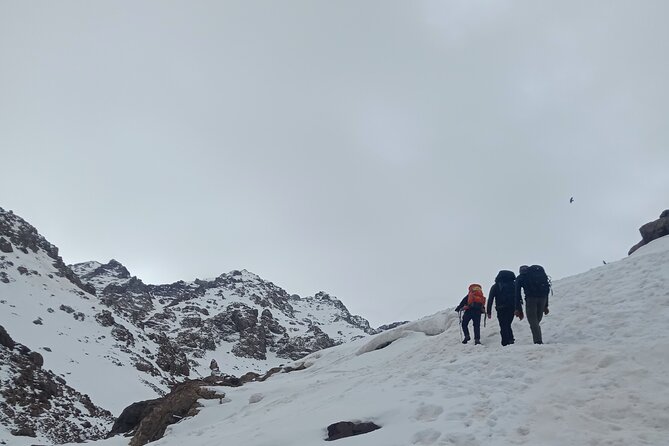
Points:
[(506, 289), (535, 282)]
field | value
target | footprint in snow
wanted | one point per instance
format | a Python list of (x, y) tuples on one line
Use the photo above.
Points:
[(606, 361), (459, 440), (423, 393), (425, 437), (428, 412)]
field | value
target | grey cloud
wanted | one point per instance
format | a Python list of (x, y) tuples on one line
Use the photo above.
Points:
[(387, 152)]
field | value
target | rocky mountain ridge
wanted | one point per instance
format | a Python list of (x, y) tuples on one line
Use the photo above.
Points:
[(257, 317)]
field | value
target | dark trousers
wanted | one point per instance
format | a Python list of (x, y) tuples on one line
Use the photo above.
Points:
[(505, 318), (475, 317), (534, 309)]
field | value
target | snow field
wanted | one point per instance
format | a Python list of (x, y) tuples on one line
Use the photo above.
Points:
[(600, 379)]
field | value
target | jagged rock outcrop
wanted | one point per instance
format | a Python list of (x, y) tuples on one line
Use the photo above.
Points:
[(387, 327), (123, 335), (5, 339), (105, 318), (171, 358), (146, 421), (129, 298), (300, 346), (652, 231), (36, 403)]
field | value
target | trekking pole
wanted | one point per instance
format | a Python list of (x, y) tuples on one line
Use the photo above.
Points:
[(460, 324)]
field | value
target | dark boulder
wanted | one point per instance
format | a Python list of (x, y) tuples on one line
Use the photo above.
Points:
[(132, 416), (24, 431), (5, 246), (36, 359), (345, 429), (67, 309), (655, 229)]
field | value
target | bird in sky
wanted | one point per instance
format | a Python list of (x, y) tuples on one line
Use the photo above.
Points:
[(571, 200)]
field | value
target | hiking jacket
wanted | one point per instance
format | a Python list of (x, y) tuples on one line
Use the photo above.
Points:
[(519, 298), (494, 290), (463, 305)]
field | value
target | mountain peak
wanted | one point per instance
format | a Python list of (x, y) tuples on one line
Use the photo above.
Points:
[(16, 233), (92, 268), (115, 267)]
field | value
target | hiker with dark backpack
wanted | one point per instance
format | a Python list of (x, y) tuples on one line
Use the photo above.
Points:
[(473, 305), (536, 285), (502, 293)]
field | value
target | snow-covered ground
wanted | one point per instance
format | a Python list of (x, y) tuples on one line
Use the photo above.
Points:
[(601, 378), (73, 345)]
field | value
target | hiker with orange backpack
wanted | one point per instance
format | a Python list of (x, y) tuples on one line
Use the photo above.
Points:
[(473, 305)]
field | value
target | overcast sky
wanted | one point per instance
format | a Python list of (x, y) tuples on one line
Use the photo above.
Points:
[(389, 153)]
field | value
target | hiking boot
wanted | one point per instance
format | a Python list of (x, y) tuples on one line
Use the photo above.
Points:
[(477, 342), (465, 340)]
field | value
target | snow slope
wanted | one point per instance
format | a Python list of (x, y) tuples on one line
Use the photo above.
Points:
[(602, 378), (52, 316)]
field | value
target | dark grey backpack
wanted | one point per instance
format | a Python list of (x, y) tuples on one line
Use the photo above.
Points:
[(506, 289), (536, 282)]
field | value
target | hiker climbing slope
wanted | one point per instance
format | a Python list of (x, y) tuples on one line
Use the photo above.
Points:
[(502, 294), (536, 285), (473, 305)]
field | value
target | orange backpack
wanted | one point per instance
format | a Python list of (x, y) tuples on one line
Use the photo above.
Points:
[(475, 298)]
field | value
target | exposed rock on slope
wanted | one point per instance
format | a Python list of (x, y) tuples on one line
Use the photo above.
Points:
[(652, 231), (146, 421), (35, 402)]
